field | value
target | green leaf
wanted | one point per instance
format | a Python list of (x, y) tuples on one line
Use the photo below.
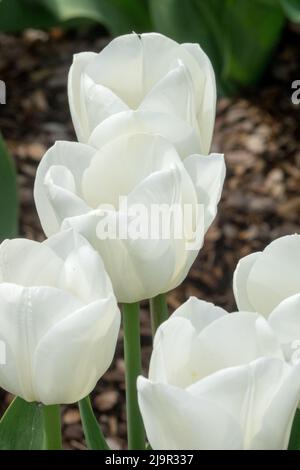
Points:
[(294, 443), (118, 16), (92, 432), (16, 15), (291, 9), (21, 427), (233, 34), (8, 195)]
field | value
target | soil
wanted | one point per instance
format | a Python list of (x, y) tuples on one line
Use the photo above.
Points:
[(258, 133)]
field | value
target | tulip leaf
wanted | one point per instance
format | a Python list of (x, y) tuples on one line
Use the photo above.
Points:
[(16, 15), (118, 16), (8, 195), (294, 443), (21, 427), (233, 34), (291, 9)]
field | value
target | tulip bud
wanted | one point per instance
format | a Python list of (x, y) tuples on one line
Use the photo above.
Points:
[(59, 319)]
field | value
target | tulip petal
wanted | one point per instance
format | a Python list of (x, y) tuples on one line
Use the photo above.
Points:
[(172, 360), (136, 155), (206, 94), (119, 67), (207, 173), (75, 157), (173, 95), (199, 313), (240, 280), (75, 94), (76, 352), (174, 419), (275, 274), (245, 333), (285, 321), (83, 272), (26, 314), (100, 103), (179, 133), (251, 394), (28, 263)]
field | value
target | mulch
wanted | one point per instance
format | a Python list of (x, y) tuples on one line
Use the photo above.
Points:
[(258, 133)]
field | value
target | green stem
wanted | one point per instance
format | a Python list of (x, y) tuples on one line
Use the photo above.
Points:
[(132, 353), (294, 443), (159, 311), (92, 431), (52, 427)]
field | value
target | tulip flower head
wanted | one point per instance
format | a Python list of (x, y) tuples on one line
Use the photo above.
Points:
[(80, 186), (59, 318), (147, 72), (217, 381)]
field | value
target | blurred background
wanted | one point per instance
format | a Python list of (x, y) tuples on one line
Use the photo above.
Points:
[(255, 49)]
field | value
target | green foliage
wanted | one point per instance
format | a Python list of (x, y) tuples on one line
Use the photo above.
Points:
[(8, 195), (238, 51), (294, 443), (291, 9), (118, 16), (21, 427)]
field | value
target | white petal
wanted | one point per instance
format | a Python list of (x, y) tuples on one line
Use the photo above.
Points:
[(75, 157), (26, 314), (176, 420), (60, 189), (119, 67), (173, 359), (285, 321), (275, 274), (75, 94), (28, 263), (179, 133), (199, 312), (207, 173), (206, 94), (254, 395), (122, 164), (173, 95), (277, 421), (83, 272), (240, 282), (76, 352), (235, 339), (100, 103)]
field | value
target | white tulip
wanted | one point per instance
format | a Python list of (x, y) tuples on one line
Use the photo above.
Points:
[(217, 381), (147, 72), (59, 319), (269, 282), (76, 182), (264, 279)]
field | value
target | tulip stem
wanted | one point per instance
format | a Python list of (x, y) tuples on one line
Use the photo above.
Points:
[(52, 427), (132, 354), (159, 311), (92, 431)]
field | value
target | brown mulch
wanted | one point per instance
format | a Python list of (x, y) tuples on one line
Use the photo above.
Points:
[(261, 199)]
